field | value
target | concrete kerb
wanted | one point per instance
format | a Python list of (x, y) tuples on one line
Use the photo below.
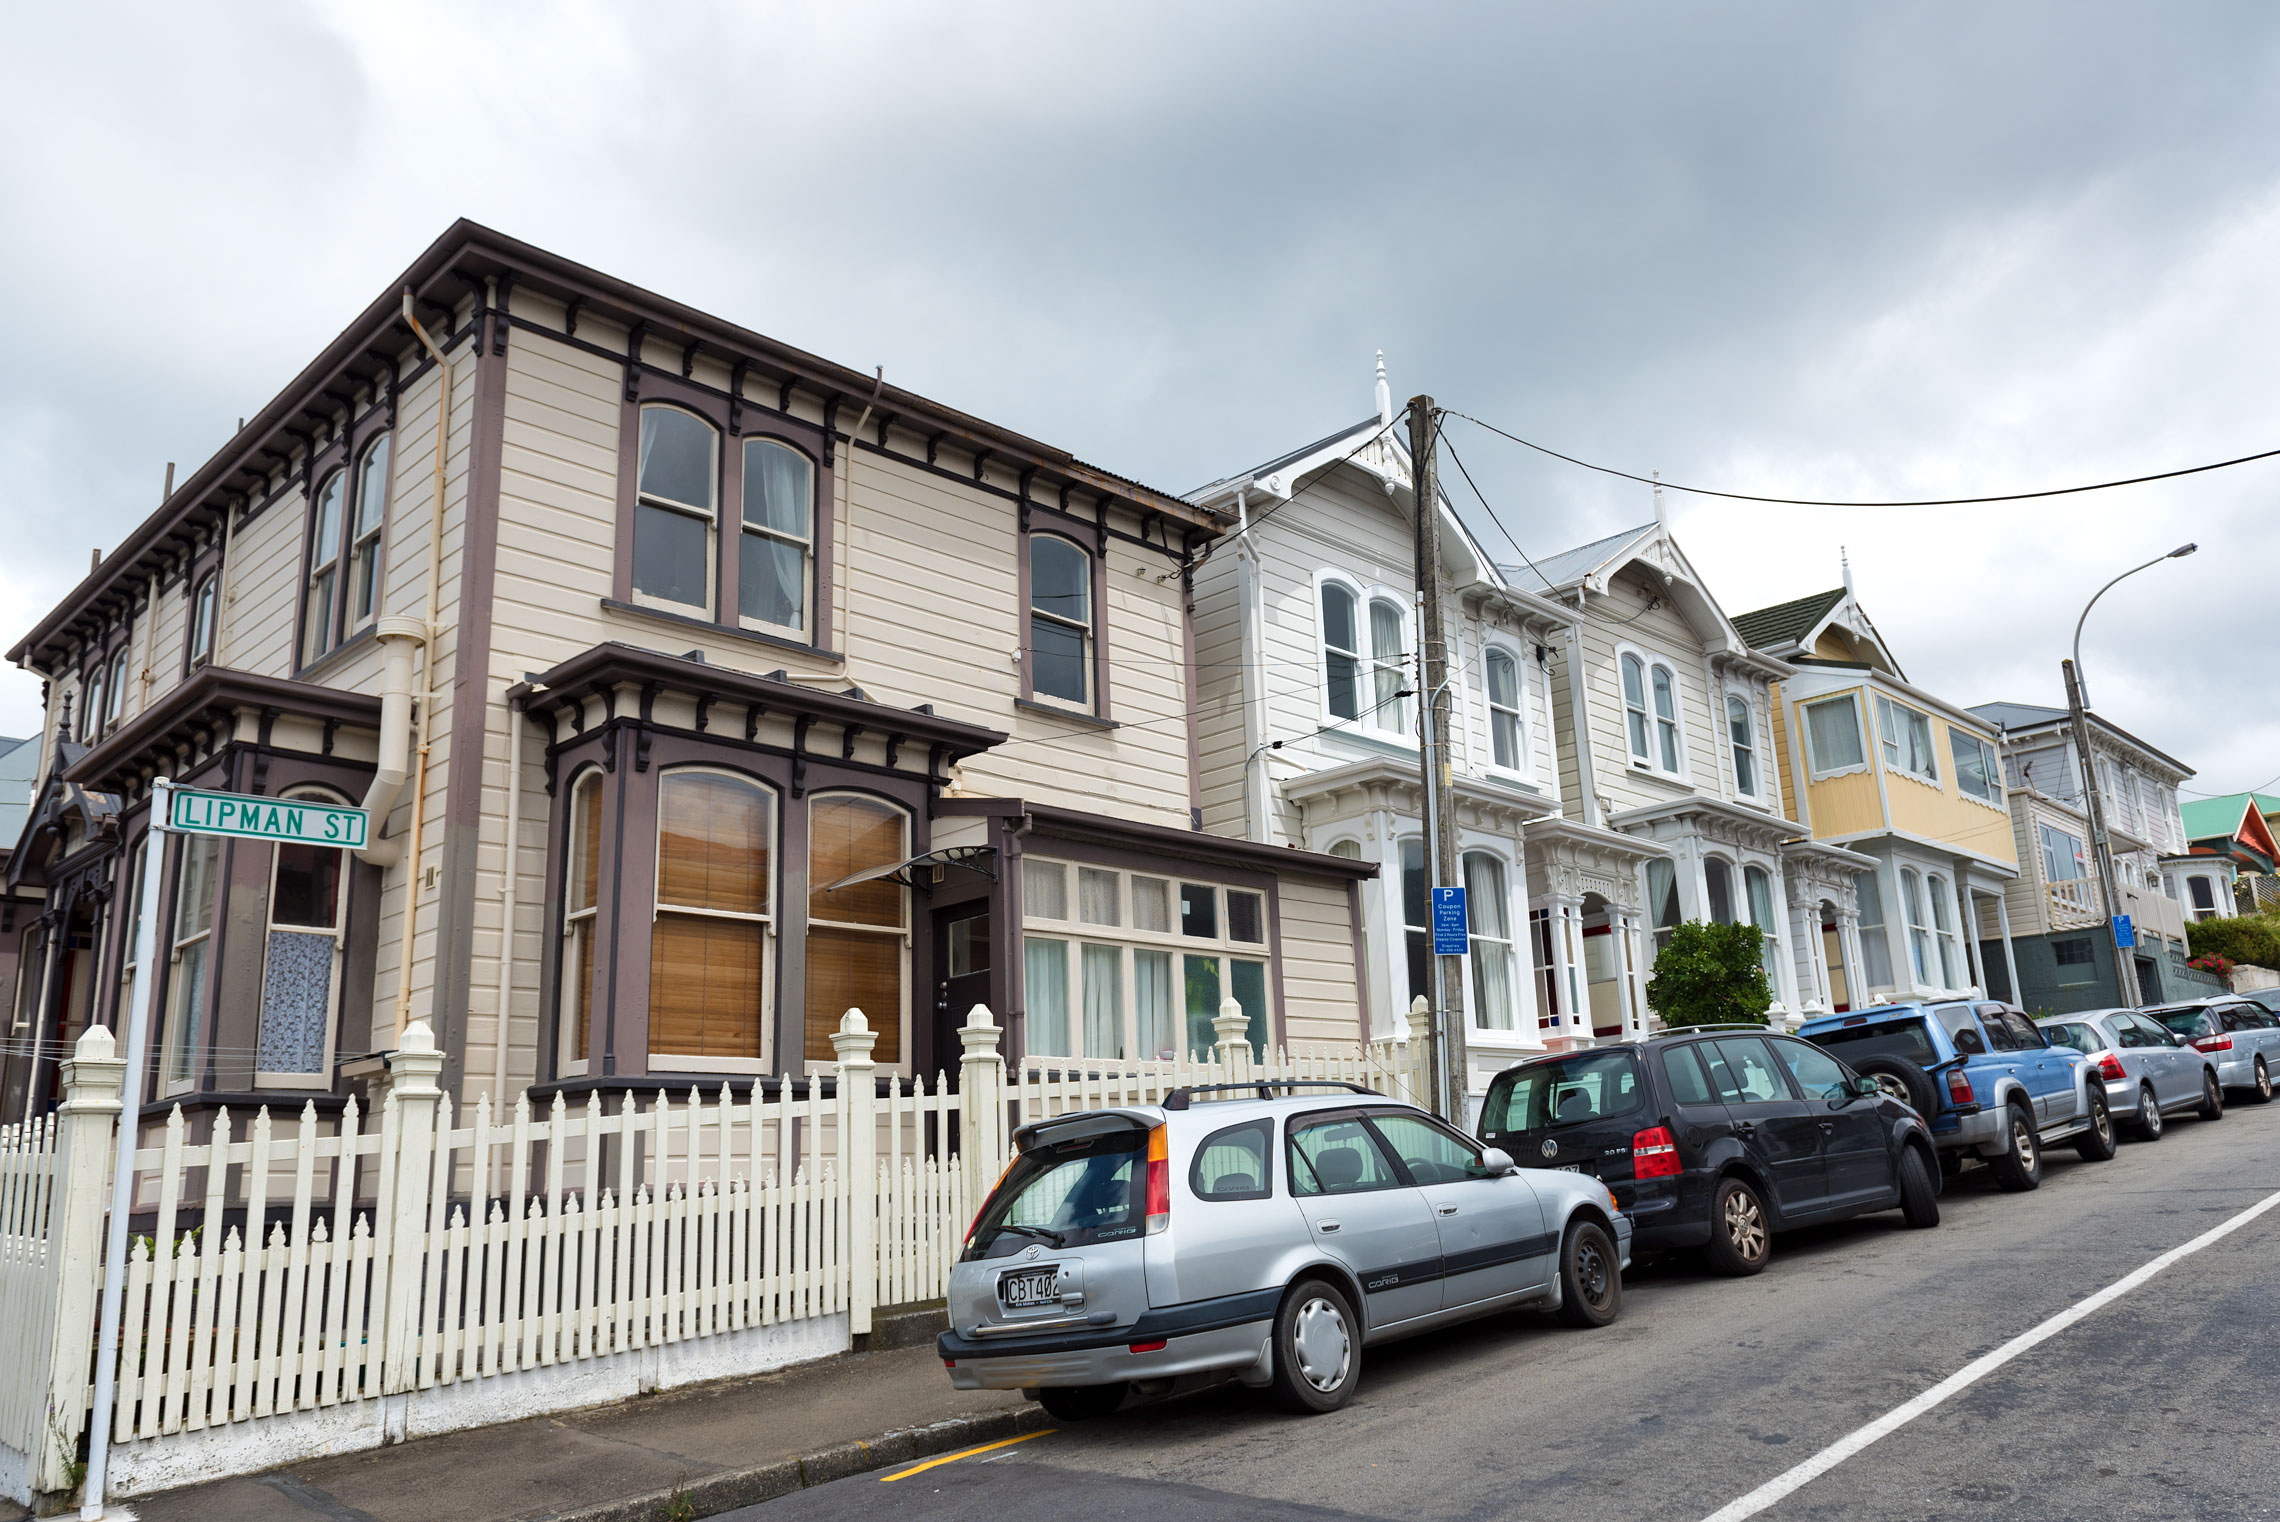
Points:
[(727, 1489)]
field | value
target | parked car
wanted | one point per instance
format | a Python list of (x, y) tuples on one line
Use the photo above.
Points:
[(2148, 1073), (2268, 998), (1983, 1077), (1718, 1139), (2240, 1034), (1150, 1250)]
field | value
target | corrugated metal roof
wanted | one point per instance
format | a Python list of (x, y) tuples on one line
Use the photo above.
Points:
[(1552, 571), (1283, 461), (1785, 623)]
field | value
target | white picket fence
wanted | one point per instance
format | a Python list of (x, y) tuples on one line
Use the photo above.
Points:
[(345, 1282)]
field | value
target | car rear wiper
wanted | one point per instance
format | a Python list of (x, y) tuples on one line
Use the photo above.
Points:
[(1042, 1233)]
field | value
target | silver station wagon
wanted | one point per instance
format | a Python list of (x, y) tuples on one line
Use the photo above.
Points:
[(1265, 1233)]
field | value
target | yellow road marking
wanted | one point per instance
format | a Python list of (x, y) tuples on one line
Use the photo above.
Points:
[(952, 1458)]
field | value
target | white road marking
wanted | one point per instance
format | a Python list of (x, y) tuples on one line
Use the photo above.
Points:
[(1781, 1485)]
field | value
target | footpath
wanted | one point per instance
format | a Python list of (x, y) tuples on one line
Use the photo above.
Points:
[(669, 1457)]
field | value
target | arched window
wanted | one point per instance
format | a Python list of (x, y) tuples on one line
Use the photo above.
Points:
[(775, 559), (205, 603), (1943, 929), (858, 939), (676, 500), (1489, 927), (1718, 877), (1635, 709), (115, 700), (1666, 715), (91, 708), (1662, 899), (1341, 652), (1741, 727), (581, 897), (1759, 885), (1388, 711), (320, 603), (301, 966), (1346, 850), (710, 942), (1919, 927), (364, 544), (1502, 674), (1060, 620)]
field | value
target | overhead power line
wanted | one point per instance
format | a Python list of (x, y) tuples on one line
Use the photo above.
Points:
[(1741, 496)]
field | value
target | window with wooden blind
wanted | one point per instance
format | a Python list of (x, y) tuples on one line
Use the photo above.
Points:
[(858, 938), (709, 947), (580, 895)]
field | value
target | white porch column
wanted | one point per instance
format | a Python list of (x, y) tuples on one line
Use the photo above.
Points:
[(1620, 929), (2010, 962), (1638, 959), (1567, 969), (1966, 930), (1809, 958), (1848, 947)]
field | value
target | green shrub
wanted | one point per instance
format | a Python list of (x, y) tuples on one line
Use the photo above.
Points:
[(2250, 938), (1711, 974)]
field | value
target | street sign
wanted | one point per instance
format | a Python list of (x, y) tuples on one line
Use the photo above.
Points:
[(298, 821), (2125, 933), (1449, 931)]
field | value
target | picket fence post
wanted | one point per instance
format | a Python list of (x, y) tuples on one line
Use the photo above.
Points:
[(89, 1115), (1234, 1028), (858, 1163), (981, 1103), (412, 1071)]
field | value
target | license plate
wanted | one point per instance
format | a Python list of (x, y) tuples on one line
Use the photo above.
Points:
[(1573, 1168), (1036, 1287)]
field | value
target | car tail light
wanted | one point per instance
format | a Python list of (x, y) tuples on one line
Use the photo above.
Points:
[(994, 1188), (1654, 1153), (1959, 1086), (2109, 1067), (1148, 1347), (1159, 1182), (2212, 1043), (949, 1363)]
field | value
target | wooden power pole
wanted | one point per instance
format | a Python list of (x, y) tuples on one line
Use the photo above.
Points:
[(2101, 845), (1448, 1031)]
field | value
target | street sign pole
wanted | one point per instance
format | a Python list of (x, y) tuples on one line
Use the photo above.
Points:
[(123, 1161)]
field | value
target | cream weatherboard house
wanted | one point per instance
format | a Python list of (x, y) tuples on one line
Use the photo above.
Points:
[(1306, 650), (705, 690)]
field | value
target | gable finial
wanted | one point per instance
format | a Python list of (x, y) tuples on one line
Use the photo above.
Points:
[(1662, 519), (1384, 391), (1845, 560)]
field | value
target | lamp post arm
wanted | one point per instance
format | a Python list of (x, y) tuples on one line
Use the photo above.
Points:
[(2085, 618)]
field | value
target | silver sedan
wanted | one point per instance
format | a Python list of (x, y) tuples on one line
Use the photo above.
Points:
[(2238, 1035), (2148, 1073)]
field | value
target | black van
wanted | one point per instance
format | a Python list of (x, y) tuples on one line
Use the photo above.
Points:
[(1716, 1139)]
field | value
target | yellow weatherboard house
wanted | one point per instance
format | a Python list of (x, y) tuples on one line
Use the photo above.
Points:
[(1912, 783)]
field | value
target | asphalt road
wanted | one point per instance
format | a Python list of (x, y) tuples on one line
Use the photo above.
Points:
[(2161, 1404)]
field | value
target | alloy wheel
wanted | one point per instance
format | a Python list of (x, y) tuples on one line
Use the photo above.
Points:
[(1894, 1089), (2149, 1113), (2023, 1138), (1324, 1346), (1745, 1225), (2263, 1082)]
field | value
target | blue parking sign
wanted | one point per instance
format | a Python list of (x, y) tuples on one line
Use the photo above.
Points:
[(2125, 933), (1449, 929)]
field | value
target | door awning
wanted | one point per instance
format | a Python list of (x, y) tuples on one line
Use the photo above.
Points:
[(982, 859)]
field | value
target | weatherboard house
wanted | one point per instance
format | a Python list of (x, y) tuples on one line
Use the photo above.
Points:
[(703, 690)]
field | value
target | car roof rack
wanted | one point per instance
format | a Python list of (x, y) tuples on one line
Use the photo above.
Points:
[(1178, 1099)]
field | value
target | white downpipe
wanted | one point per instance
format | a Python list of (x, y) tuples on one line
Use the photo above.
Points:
[(398, 637)]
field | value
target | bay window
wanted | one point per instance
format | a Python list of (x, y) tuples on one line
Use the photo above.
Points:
[(1718, 881), (301, 963), (1759, 885), (1488, 914), (191, 952), (580, 907), (1976, 774), (1132, 965), (1662, 899), (1919, 925), (858, 937), (712, 929), (1875, 949), (1832, 736), (1907, 737), (1943, 930), (676, 500)]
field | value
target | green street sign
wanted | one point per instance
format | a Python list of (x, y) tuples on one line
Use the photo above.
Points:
[(300, 821)]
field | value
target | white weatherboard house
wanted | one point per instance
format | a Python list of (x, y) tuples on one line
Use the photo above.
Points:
[(1306, 650)]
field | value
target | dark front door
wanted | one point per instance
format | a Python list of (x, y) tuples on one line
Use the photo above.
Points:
[(961, 973)]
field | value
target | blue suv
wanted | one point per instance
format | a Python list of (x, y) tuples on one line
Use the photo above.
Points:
[(1983, 1077)]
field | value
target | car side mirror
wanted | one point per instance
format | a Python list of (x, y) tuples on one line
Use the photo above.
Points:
[(1498, 1162), (1864, 1088)]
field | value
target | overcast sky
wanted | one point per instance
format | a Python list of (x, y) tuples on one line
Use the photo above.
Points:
[(1903, 250)]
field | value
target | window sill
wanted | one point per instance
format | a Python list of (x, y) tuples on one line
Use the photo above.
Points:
[(1841, 771), (713, 630), (1657, 774), (333, 657), (1074, 716), (1985, 803), (1916, 777)]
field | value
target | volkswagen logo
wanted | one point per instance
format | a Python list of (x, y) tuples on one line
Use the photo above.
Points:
[(1551, 1148)]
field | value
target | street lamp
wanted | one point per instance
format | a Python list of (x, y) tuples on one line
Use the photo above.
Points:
[(2178, 553), (2101, 847)]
